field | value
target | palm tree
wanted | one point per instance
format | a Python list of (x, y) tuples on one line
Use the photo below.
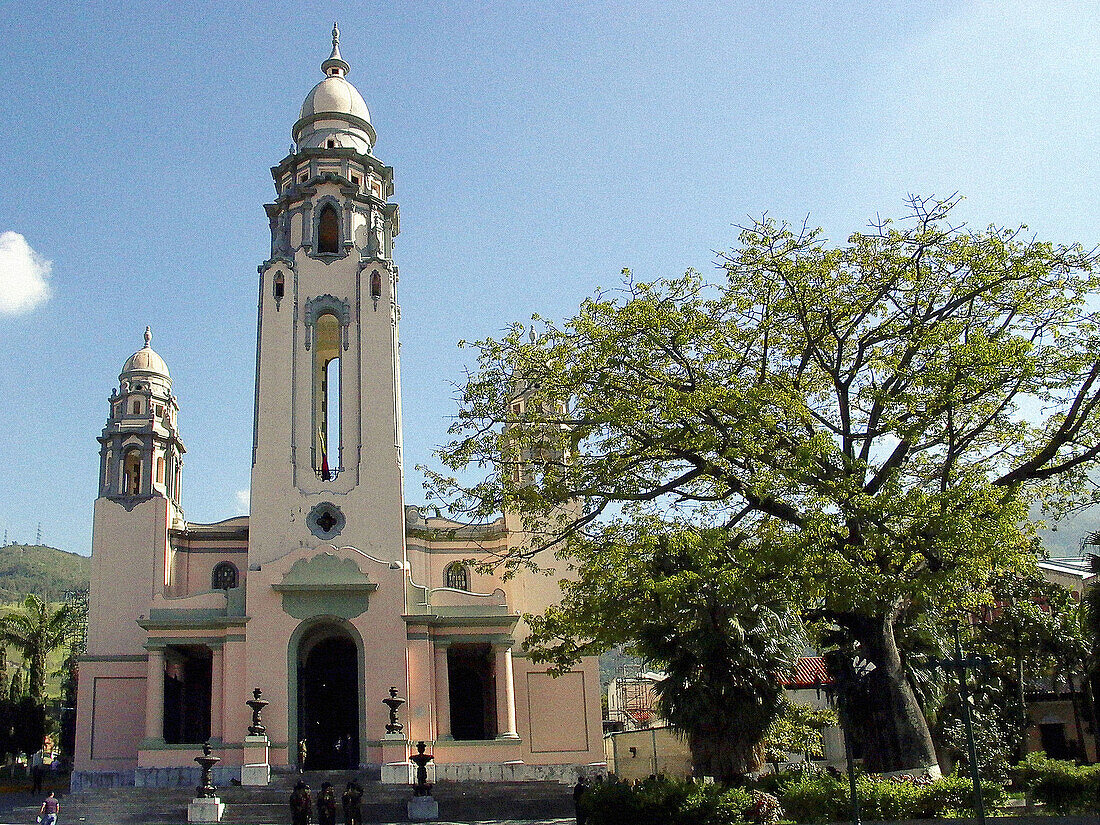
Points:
[(36, 630)]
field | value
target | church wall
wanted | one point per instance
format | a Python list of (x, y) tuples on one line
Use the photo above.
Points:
[(128, 555), (559, 720), (111, 713)]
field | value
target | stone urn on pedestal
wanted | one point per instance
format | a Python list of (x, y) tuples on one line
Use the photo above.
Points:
[(422, 806), (206, 807), (256, 769)]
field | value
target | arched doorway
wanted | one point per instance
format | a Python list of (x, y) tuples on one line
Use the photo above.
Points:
[(328, 698)]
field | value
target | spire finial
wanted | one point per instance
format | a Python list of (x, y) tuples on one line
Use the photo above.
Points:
[(335, 65), (148, 335)]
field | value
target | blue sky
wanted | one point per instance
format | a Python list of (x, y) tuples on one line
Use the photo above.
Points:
[(538, 149)]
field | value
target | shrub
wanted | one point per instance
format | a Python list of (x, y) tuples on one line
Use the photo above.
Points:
[(665, 802), (1062, 786), (826, 798)]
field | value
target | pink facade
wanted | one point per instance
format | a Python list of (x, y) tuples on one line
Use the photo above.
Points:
[(332, 590)]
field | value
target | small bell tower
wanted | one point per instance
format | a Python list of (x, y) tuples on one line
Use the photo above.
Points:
[(140, 477), (141, 454)]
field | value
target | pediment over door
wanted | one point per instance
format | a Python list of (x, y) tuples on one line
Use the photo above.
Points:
[(325, 585)]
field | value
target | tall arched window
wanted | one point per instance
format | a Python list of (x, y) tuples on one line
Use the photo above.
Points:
[(456, 575), (224, 576), (326, 396), (328, 230), (131, 473)]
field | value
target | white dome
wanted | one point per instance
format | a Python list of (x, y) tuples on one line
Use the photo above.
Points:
[(334, 95), (145, 362), (334, 114)]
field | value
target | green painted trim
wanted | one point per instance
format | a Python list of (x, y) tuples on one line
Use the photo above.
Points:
[(482, 742), (161, 642), (468, 638), (435, 620), (133, 657), (418, 637), (236, 638), (196, 624), (364, 587)]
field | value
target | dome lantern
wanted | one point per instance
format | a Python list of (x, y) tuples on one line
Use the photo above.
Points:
[(334, 114)]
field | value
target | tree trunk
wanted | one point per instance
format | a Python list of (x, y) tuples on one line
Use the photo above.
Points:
[(722, 756), (880, 709)]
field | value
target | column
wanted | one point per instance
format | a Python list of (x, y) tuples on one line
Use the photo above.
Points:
[(506, 693), (154, 694), (217, 683), (442, 693)]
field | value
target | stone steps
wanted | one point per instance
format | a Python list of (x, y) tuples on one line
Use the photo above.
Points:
[(458, 802)]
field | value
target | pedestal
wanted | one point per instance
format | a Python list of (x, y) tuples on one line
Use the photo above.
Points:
[(396, 769), (423, 808), (256, 769), (205, 810)]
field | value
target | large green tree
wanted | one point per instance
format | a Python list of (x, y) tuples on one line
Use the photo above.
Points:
[(703, 607), (886, 408), (36, 629)]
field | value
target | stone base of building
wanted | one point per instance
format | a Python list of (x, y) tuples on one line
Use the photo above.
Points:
[(205, 810), (513, 772), (255, 774), (422, 809), (179, 777)]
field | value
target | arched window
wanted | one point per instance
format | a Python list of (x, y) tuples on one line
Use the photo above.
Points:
[(375, 286), (160, 470), (131, 473), (224, 576), (278, 286), (326, 396), (328, 230), (456, 575)]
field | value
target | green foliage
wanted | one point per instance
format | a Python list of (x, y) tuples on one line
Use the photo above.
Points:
[(44, 571), (868, 409), (813, 798), (663, 802), (797, 729), (803, 797), (36, 630), (1062, 786), (704, 609)]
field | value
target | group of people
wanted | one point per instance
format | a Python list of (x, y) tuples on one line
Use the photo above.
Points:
[(301, 804)]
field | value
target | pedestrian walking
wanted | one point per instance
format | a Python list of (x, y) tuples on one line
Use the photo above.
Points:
[(47, 814), (579, 803)]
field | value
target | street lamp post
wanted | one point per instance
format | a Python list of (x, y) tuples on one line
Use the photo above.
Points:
[(961, 664)]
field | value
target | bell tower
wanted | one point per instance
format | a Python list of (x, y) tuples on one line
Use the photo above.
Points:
[(140, 478), (327, 433)]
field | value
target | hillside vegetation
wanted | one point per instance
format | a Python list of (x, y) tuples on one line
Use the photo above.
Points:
[(44, 571)]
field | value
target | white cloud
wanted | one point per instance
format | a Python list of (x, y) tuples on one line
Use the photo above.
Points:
[(24, 275), (243, 499)]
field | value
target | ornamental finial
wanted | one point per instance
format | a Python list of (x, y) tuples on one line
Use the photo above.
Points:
[(148, 336), (335, 65)]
